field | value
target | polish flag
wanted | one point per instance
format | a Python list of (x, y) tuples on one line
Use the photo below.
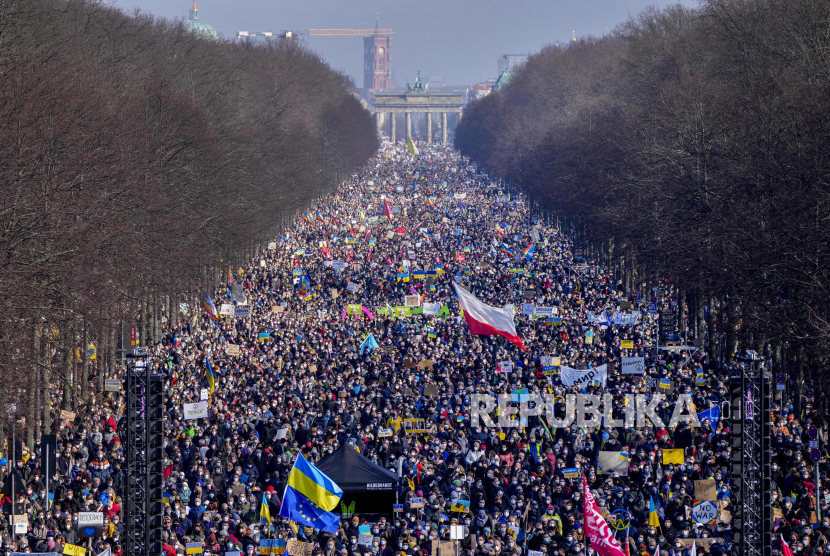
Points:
[(785, 548), (487, 320), (596, 529)]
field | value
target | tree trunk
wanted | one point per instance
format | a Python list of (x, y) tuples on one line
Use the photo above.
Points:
[(46, 382), (798, 393), (85, 365), (31, 414), (67, 369), (712, 332)]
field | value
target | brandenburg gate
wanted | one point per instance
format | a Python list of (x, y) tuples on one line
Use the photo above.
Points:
[(418, 99)]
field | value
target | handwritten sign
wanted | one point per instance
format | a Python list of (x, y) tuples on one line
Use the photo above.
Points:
[(73, 550), (705, 512), (299, 548)]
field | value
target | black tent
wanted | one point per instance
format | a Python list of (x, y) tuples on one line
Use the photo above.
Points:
[(371, 487)]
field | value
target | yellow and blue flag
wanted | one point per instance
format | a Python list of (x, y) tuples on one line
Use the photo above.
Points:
[(314, 485), (300, 509), (653, 519), (209, 372), (265, 512)]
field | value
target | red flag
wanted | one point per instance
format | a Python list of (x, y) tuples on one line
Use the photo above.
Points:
[(487, 320), (400, 231), (596, 529), (387, 210), (785, 548)]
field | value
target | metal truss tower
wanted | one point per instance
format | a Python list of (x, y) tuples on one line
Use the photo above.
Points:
[(143, 481), (750, 424)]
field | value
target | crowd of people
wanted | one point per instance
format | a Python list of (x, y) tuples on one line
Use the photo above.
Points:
[(297, 375)]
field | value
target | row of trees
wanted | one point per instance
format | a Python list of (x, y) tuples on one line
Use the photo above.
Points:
[(138, 161), (691, 144)]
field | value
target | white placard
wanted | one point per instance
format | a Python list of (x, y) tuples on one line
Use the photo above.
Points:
[(633, 366), (226, 309), (203, 394), (90, 524), (528, 308), (195, 411), (571, 377), (544, 311), (432, 309)]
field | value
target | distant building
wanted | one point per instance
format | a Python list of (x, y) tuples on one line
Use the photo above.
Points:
[(377, 65), (510, 62), (196, 25), (481, 90)]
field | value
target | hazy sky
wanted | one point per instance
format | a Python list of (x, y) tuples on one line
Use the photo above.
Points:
[(459, 40)]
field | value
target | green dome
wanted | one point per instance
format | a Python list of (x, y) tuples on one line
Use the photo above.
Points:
[(196, 25)]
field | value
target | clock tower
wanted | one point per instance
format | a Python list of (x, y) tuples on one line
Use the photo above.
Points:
[(377, 65)]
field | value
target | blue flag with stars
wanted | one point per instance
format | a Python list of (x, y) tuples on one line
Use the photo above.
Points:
[(300, 509)]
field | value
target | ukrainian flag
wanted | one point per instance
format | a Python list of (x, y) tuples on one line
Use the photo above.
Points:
[(210, 379), (265, 512), (653, 519), (432, 334), (314, 485)]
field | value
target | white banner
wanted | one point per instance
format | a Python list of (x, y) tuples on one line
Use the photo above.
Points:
[(226, 309), (544, 311), (575, 377), (195, 411), (633, 366), (528, 308), (432, 309)]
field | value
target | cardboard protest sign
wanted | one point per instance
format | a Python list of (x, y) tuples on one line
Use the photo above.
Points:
[(298, 548), (431, 390), (706, 490)]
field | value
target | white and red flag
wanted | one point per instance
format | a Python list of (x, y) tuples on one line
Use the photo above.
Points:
[(596, 529), (785, 548), (487, 320), (387, 210)]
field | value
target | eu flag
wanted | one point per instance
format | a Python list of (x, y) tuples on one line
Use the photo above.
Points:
[(300, 509)]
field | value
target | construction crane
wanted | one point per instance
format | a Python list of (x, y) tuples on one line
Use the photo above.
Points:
[(349, 32), (321, 33)]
